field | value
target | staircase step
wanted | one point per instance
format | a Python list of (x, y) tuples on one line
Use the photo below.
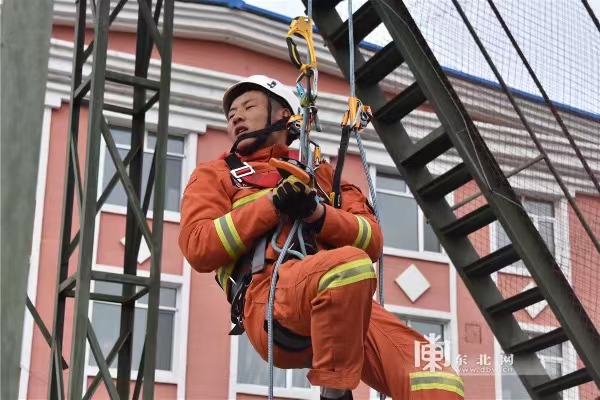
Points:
[(517, 302), (493, 262), (401, 105), (446, 183), (379, 66), (428, 149), (541, 342), (579, 377), (471, 222), (364, 21)]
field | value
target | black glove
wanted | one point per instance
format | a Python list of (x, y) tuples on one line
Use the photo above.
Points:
[(294, 198)]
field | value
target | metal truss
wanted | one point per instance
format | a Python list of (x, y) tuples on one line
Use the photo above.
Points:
[(81, 198)]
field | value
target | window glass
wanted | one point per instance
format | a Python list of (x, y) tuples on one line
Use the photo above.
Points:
[(252, 369), (391, 182), (299, 378), (542, 216), (546, 229), (399, 221), (175, 144), (431, 242), (400, 217), (174, 165), (428, 328), (121, 136), (168, 297), (539, 208), (106, 323)]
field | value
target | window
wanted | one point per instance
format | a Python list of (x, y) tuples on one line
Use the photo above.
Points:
[(175, 155), (543, 218), (552, 360), (425, 327), (402, 222), (106, 323), (253, 370)]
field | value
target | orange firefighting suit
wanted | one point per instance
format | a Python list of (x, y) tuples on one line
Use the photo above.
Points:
[(328, 295)]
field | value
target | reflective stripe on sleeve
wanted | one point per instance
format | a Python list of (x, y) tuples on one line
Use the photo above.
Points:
[(249, 198), (364, 233), (229, 236), (347, 273), (437, 381), (223, 274)]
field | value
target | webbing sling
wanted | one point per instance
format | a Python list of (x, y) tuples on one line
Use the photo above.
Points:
[(242, 172), (336, 195)]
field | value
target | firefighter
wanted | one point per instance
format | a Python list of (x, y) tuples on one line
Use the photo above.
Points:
[(324, 315)]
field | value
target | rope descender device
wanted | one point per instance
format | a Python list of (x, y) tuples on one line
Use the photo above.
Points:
[(357, 116), (355, 119), (301, 26)]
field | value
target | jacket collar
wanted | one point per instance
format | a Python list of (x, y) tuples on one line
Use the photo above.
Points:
[(266, 153)]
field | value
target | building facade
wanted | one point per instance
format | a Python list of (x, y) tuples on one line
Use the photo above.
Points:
[(213, 47)]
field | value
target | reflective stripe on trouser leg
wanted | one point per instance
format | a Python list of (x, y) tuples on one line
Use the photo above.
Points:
[(423, 380), (347, 273)]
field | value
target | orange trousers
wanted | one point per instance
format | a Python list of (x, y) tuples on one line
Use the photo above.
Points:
[(353, 337)]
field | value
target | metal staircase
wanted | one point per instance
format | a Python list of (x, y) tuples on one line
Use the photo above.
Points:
[(458, 132)]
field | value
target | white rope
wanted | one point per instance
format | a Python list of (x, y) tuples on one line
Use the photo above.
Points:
[(361, 149)]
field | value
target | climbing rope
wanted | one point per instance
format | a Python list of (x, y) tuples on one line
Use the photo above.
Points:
[(301, 27), (366, 116), (358, 116)]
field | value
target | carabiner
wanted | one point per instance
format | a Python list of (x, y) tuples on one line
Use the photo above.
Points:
[(308, 97)]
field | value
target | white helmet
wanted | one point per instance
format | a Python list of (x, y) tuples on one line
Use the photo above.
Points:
[(272, 86)]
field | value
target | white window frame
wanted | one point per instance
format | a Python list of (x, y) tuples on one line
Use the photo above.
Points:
[(236, 388), (51, 103), (568, 360), (561, 236), (177, 374), (421, 254), (447, 319), (189, 149)]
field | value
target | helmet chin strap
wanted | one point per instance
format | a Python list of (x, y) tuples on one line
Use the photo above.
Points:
[(260, 135)]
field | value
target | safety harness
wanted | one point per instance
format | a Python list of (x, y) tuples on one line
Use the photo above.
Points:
[(253, 262)]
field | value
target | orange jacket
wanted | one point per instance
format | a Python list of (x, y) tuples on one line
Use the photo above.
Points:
[(220, 221)]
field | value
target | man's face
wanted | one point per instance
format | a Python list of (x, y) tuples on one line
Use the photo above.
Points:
[(248, 113)]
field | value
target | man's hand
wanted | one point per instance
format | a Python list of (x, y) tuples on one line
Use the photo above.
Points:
[(294, 198)]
